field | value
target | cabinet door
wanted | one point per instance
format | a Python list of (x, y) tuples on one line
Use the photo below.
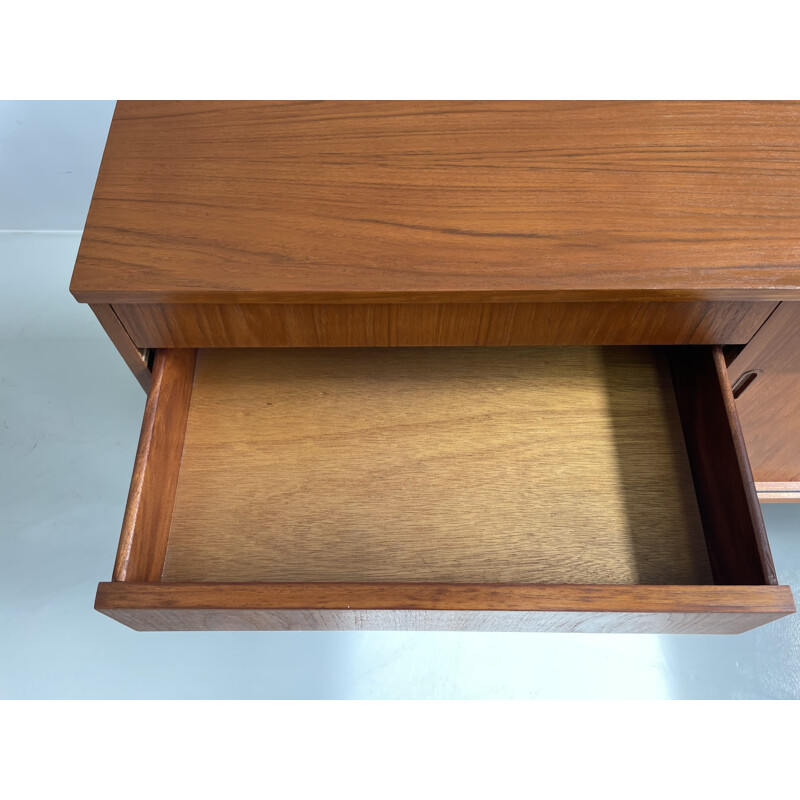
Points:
[(766, 383)]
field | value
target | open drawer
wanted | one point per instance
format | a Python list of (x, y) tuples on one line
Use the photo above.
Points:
[(509, 488)]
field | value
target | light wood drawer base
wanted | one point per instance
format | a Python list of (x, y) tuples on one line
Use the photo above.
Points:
[(778, 492)]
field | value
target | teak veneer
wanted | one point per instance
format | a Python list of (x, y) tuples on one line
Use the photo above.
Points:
[(769, 403), (243, 202)]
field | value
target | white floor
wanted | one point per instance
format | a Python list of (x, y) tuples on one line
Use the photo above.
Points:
[(69, 422)]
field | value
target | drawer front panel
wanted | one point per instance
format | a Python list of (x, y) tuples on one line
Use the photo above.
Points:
[(387, 325), (769, 403), (557, 609)]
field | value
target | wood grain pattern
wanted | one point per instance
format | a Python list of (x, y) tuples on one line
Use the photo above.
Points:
[(737, 539), (275, 202), (769, 408), (778, 491), (519, 465), (438, 324), (136, 359), (145, 527), (617, 609)]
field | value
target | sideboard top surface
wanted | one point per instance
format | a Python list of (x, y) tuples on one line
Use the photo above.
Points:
[(380, 201)]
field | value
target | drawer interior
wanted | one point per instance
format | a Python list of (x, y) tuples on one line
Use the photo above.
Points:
[(473, 465), (313, 488)]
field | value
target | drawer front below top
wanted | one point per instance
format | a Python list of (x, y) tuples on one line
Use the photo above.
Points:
[(440, 324)]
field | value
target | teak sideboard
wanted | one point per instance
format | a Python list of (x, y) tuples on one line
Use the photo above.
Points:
[(452, 365)]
